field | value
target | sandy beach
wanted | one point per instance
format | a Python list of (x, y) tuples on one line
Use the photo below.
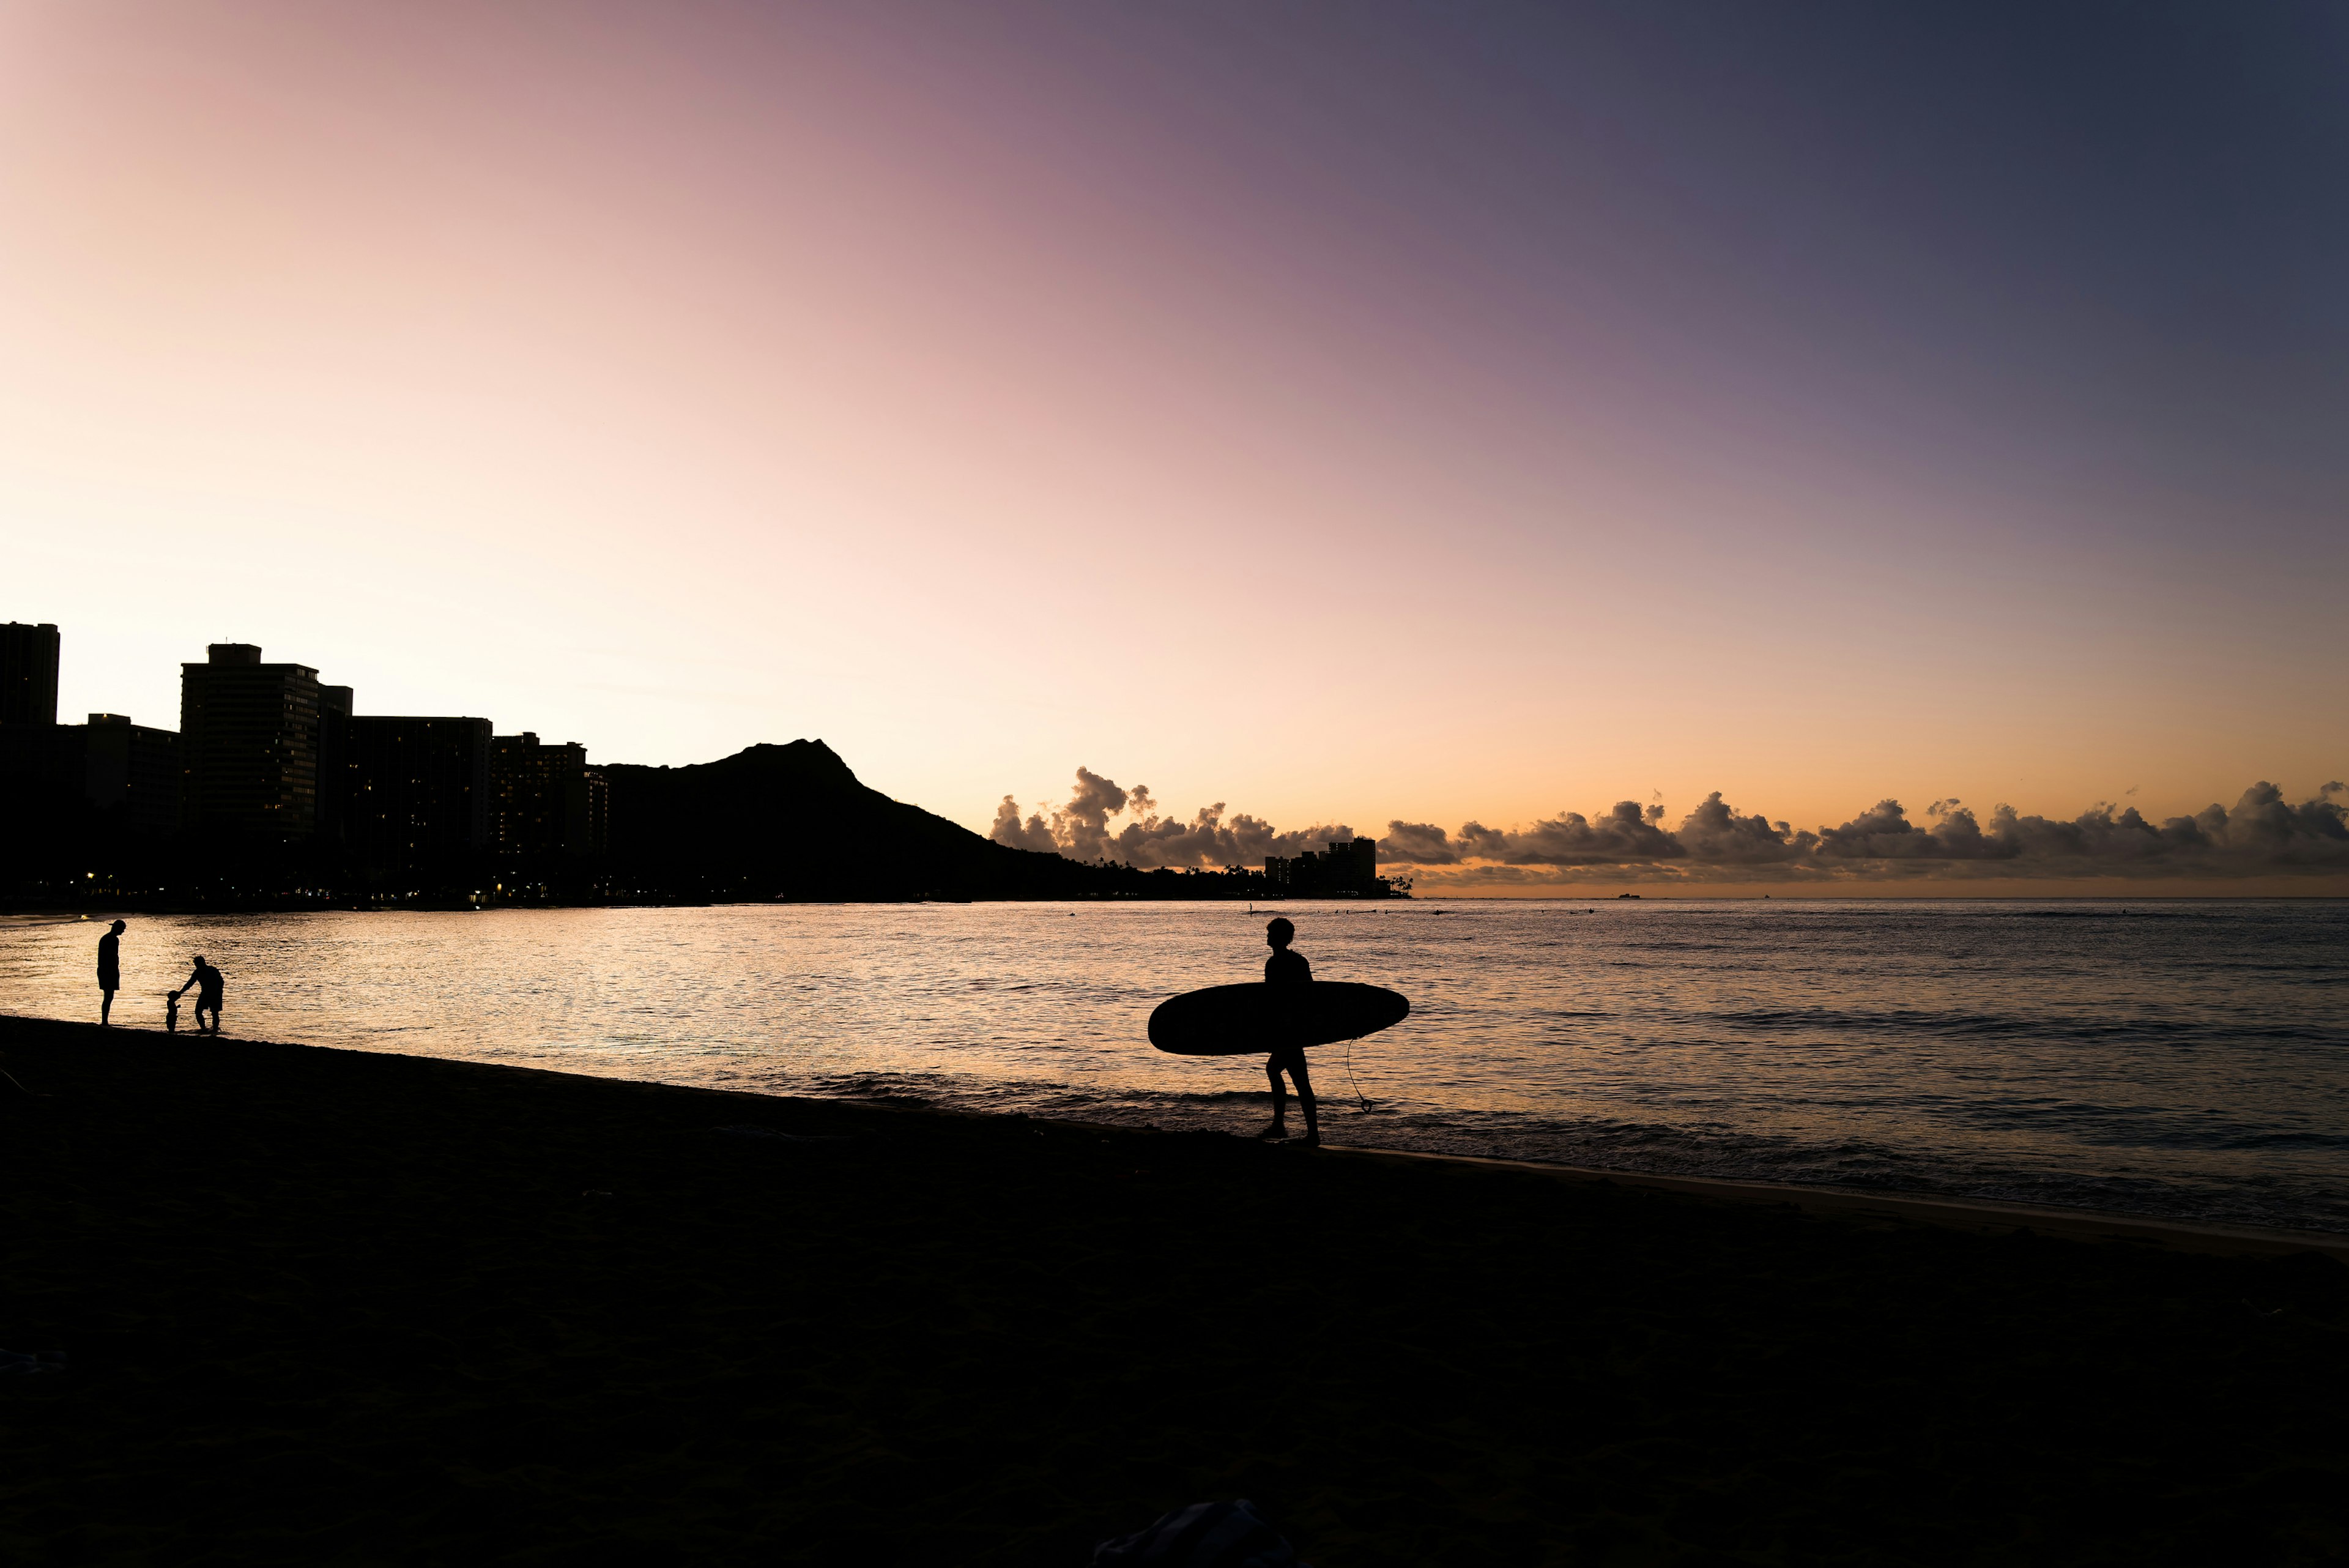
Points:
[(325, 1306)]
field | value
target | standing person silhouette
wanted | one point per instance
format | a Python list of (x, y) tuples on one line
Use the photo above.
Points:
[(1286, 968), (205, 980), (109, 972)]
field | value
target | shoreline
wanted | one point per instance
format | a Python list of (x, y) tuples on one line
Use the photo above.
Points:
[(136, 905), (1983, 1216), (309, 1303)]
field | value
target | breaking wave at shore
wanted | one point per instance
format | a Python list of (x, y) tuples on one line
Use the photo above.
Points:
[(1717, 1153)]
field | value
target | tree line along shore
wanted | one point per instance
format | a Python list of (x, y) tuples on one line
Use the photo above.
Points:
[(302, 1304)]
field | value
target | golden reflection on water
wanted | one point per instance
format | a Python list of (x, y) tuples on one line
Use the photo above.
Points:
[(2186, 1060)]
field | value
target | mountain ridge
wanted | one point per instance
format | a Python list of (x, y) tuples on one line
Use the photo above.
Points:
[(793, 821)]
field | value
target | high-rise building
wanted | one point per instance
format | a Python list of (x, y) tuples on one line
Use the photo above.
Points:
[(49, 770), (249, 737), (409, 794), (545, 802), (39, 770), (1344, 865), (334, 707), (28, 674), (133, 769), (33, 771)]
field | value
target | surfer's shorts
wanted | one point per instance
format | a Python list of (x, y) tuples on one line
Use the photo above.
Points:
[(109, 981)]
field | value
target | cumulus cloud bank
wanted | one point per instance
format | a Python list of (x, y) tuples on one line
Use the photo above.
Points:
[(2264, 833), (1081, 830)]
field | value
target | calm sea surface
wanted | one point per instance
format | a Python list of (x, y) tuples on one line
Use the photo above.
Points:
[(2187, 1060)]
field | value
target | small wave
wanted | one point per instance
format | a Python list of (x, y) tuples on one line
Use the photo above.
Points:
[(2096, 915), (1955, 1024), (1716, 1151)]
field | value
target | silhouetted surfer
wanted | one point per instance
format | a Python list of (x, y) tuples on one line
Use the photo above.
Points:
[(1288, 967)]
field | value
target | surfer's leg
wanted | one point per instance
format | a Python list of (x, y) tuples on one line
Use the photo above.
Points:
[(1305, 1099), (1279, 1128)]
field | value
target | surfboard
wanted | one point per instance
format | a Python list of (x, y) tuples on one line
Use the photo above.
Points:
[(1251, 1019)]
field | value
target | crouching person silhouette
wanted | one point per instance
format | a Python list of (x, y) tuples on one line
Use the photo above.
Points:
[(206, 982), (1286, 968)]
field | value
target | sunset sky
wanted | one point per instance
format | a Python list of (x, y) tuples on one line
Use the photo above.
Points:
[(1346, 412)]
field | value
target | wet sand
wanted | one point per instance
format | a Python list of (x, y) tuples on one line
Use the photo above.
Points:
[(325, 1306)]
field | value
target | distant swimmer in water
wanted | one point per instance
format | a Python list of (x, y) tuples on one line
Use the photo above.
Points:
[(1286, 968)]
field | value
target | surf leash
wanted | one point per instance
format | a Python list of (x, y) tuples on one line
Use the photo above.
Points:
[(1350, 1077)]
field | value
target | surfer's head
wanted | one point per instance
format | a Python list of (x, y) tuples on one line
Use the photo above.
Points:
[(119, 927), (1279, 933)]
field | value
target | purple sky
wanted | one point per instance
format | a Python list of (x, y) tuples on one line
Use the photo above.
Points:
[(1345, 413)]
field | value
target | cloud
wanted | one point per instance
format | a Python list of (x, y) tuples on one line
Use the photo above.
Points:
[(1418, 844), (1884, 832), (1715, 834), (1628, 832), (1081, 830), (2264, 833), (1033, 833)]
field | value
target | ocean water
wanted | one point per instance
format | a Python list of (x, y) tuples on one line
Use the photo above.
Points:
[(2183, 1060)]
